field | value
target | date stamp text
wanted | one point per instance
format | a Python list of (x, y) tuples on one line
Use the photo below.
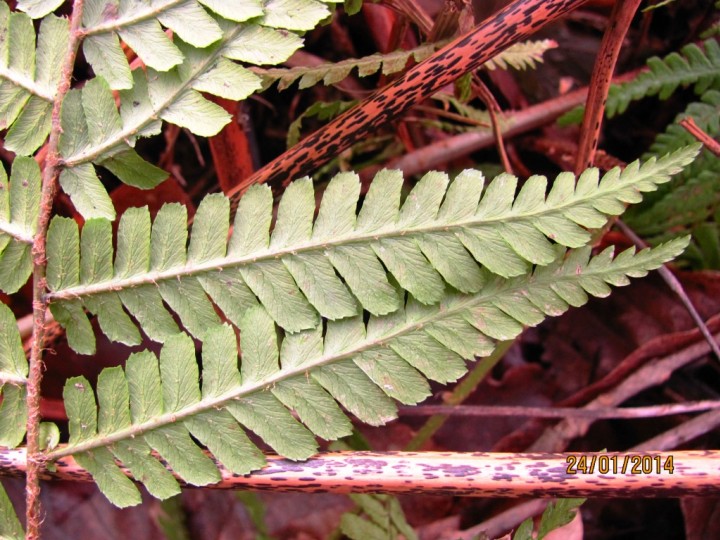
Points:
[(619, 464)]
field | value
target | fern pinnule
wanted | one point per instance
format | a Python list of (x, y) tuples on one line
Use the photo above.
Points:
[(19, 211), (365, 367), (436, 238), (13, 378), (29, 75)]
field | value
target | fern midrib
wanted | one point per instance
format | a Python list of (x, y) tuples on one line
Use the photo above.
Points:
[(278, 253), (27, 84), (121, 22), (9, 378), (461, 302), (16, 232), (94, 152)]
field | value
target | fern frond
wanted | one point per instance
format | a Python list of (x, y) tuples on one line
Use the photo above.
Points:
[(385, 519), (335, 72), (158, 406), (439, 236), (320, 110), (691, 201), (693, 65), (29, 74), (173, 96), (196, 22), (19, 211), (13, 377), (519, 56), (706, 114), (693, 196)]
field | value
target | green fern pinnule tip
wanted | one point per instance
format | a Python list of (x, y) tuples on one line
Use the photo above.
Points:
[(160, 405), (443, 237)]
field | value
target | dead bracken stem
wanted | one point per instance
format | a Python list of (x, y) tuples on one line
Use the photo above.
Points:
[(51, 170), (620, 19)]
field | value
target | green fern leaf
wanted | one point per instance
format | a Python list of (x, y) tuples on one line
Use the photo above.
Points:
[(683, 205), (437, 237), (320, 110), (19, 211), (693, 65), (386, 519), (521, 56), (694, 198), (10, 527), (139, 24), (159, 405), (94, 132), (13, 377), (706, 114), (28, 77)]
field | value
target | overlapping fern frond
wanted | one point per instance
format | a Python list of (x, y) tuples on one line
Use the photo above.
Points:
[(201, 57), (693, 197), (196, 22), (519, 56), (173, 96), (331, 267), (705, 113), (365, 367), (29, 74), (694, 66)]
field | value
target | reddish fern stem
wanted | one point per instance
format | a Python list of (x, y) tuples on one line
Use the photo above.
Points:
[(517, 21), (51, 170), (620, 19), (476, 474)]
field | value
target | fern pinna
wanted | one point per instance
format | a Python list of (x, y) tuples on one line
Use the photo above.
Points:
[(305, 344)]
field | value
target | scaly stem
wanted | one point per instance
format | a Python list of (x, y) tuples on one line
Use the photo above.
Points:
[(35, 457)]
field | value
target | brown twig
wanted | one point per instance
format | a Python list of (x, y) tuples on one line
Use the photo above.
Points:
[(620, 19), (501, 523), (697, 132), (655, 373), (683, 433), (476, 474), (494, 111), (444, 151), (654, 411), (53, 163), (677, 288)]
